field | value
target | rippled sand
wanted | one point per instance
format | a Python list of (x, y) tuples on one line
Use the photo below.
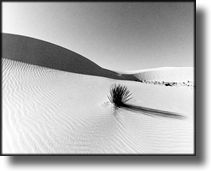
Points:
[(50, 111)]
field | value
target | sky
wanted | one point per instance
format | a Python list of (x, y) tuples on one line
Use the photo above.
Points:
[(120, 36)]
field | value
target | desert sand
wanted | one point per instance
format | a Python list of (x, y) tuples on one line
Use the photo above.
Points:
[(168, 74), (48, 111)]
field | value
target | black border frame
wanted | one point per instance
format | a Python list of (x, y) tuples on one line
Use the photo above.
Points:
[(111, 154)]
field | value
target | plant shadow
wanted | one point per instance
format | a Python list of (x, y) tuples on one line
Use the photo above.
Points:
[(152, 112)]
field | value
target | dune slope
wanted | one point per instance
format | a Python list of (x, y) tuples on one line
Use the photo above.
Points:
[(42, 53), (47, 111)]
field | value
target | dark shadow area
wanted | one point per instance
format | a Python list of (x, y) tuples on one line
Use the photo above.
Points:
[(200, 86), (147, 160), (152, 112), (38, 52), (100, 160)]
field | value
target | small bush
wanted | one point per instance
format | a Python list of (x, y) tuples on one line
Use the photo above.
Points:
[(119, 95)]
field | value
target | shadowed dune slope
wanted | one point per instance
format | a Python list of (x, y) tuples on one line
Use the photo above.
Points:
[(38, 52)]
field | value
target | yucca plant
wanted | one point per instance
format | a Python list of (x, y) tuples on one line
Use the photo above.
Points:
[(119, 95)]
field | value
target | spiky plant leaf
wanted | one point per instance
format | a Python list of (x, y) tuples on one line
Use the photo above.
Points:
[(119, 95)]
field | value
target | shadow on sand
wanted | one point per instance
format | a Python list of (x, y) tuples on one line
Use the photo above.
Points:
[(152, 112)]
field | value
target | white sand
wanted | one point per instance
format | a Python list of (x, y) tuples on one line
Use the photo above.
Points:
[(167, 74), (52, 111)]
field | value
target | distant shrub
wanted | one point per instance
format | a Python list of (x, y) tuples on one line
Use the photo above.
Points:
[(168, 84), (119, 95)]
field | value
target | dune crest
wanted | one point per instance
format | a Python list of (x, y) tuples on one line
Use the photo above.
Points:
[(38, 52), (42, 53)]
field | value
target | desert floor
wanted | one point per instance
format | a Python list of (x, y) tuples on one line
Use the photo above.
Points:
[(55, 112)]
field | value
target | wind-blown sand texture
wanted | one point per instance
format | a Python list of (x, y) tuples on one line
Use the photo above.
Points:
[(49, 111)]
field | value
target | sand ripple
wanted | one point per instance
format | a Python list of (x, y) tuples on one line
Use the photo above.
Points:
[(51, 111)]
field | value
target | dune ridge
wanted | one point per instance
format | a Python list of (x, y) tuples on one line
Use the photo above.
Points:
[(42, 53)]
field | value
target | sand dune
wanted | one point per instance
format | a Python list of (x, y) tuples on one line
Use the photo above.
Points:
[(42, 53), (167, 74), (48, 111)]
